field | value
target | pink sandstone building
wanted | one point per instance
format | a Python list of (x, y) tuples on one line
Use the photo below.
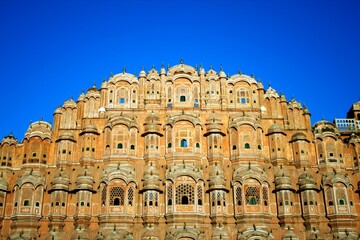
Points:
[(182, 154)]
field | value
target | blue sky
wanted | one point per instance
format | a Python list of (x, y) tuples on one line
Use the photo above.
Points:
[(52, 50)]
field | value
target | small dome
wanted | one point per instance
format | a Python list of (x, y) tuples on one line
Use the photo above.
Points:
[(61, 182), (306, 181), (151, 178), (81, 97), (89, 128), (282, 180), (10, 139), (142, 73), (85, 180), (39, 129), (217, 178), (67, 135), (275, 128), (69, 104), (299, 136)]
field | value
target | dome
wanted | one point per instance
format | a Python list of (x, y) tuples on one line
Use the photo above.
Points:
[(217, 178), (10, 139), (39, 129), (306, 181), (89, 128), (282, 180), (61, 182), (67, 135), (81, 97), (275, 128), (299, 136), (151, 178), (85, 180), (69, 104)]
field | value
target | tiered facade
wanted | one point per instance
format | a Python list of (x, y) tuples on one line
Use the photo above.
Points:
[(182, 154)]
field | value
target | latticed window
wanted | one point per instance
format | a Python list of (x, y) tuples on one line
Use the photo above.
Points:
[(199, 194), (265, 195), (117, 196), (252, 196), (103, 195), (169, 194), (238, 194), (130, 196), (218, 198), (213, 199), (184, 194)]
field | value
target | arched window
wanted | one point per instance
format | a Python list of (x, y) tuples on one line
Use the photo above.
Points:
[(130, 196), (132, 147), (183, 143), (234, 147), (247, 146), (182, 98), (26, 203), (120, 146), (341, 202)]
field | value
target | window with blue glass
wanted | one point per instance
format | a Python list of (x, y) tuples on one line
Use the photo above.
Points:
[(183, 143)]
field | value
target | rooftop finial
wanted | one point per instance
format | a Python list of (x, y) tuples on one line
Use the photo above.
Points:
[(253, 75), (239, 71), (181, 61), (221, 68), (124, 69)]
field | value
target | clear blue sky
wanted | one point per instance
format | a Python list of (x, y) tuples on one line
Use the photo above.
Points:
[(52, 50)]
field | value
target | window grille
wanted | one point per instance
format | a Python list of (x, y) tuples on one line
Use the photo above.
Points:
[(169, 194), (103, 195), (117, 193), (130, 196), (265, 195), (238, 196), (252, 196), (184, 194), (199, 194)]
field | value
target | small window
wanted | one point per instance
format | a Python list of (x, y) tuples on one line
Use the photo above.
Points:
[(199, 202), (198, 145), (243, 100), (331, 203), (93, 149), (341, 202), (63, 204), (247, 146), (196, 100), (120, 146), (87, 149), (132, 147), (44, 155), (331, 154), (184, 200), (64, 151), (169, 145), (57, 204), (34, 154), (122, 100), (259, 147), (170, 202), (183, 143), (82, 204), (15, 204), (182, 98), (26, 203), (234, 147)]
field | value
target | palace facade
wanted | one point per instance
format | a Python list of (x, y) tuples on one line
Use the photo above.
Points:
[(182, 153)]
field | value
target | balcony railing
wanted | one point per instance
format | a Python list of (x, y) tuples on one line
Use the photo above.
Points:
[(347, 124)]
